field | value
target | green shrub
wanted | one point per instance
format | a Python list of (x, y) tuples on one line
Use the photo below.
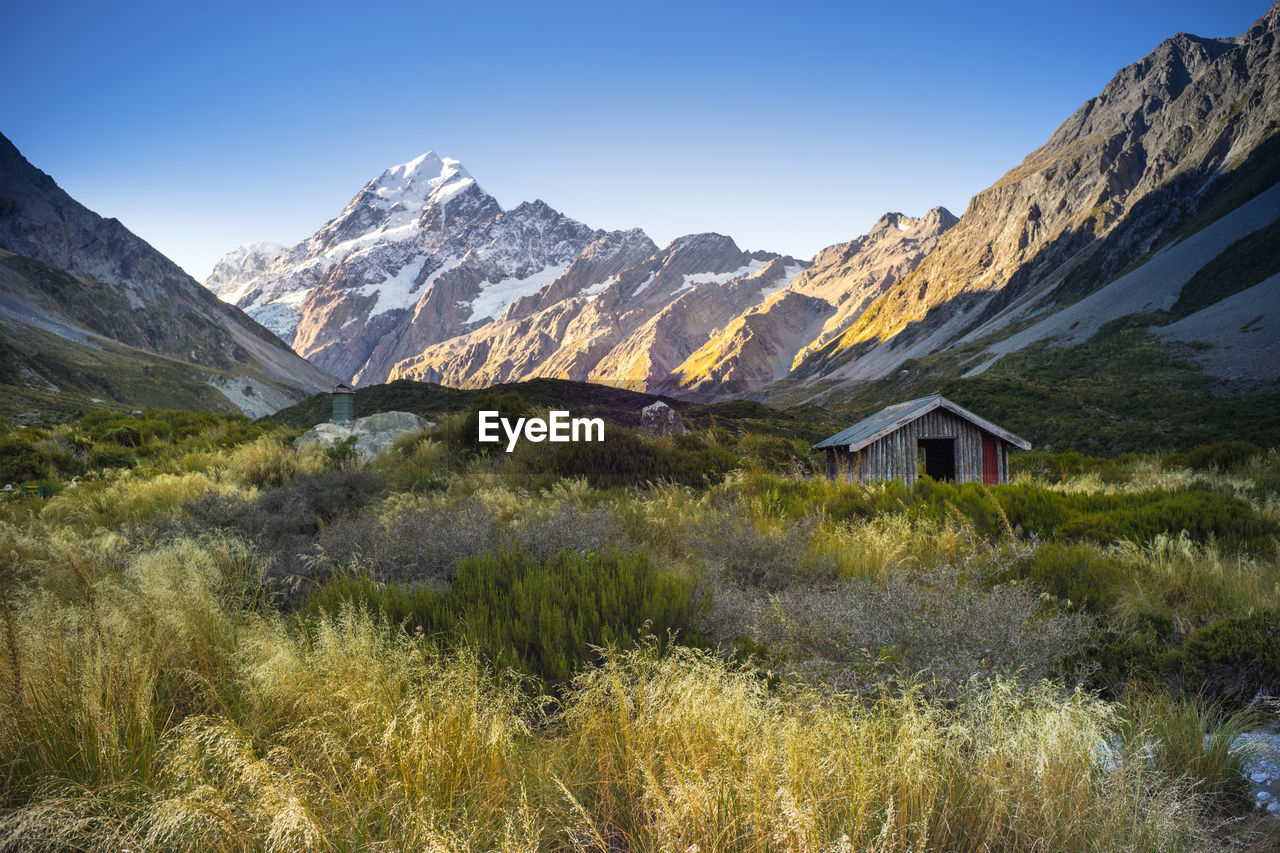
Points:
[(1140, 651), (20, 461), (112, 456), (1264, 485), (341, 455), (65, 463), (1054, 467), (1030, 509), (773, 453), (169, 426), (973, 501), (793, 498), (1222, 455), (125, 436), (1236, 658), (1081, 575), (1137, 516), (465, 432), (540, 617), (626, 458), (1094, 527)]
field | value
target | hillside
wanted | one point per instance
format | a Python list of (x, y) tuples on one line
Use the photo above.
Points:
[(618, 406), (1172, 165), (67, 272)]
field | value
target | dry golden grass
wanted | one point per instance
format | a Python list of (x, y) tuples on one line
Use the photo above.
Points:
[(685, 753), (151, 700), (889, 543), (1190, 577), (164, 715), (128, 497), (262, 463)]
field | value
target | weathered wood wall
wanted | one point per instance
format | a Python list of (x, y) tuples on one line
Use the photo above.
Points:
[(895, 456)]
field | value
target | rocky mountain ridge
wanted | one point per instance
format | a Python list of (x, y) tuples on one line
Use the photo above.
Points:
[(1132, 169), (766, 341), (89, 281), (424, 276)]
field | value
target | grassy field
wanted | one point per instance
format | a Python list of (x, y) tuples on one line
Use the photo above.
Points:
[(211, 641)]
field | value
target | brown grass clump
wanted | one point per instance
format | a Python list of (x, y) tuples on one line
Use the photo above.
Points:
[(685, 752), (265, 462)]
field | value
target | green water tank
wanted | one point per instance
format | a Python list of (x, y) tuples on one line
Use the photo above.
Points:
[(344, 404)]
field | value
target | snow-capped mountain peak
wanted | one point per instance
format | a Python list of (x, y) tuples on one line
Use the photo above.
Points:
[(422, 261), (241, 266), (427, 179)]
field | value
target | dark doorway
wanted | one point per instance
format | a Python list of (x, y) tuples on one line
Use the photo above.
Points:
[(939, 457)]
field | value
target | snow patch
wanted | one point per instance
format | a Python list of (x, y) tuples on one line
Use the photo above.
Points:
[(237, 271), (494, 298), (592, 291), (789, 272), (694, 279), (644, 284), (396, 291), (280, 317)]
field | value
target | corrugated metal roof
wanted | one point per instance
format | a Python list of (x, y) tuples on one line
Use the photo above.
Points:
[(868, 429), (898, 415)]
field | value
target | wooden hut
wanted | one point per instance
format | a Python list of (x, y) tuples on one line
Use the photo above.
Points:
[(931, 436)]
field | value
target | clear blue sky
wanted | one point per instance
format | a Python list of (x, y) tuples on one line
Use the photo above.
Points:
[(788, 126)]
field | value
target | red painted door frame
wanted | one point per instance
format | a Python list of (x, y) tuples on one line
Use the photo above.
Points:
[(990, 459)]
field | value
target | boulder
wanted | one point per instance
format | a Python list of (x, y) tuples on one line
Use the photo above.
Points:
[(373, 433), (660, 419)]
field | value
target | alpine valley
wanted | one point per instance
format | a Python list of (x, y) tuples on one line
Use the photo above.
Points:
[(1131, 263), (1149, 222)]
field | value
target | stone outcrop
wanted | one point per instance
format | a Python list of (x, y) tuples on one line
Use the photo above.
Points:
[(374, 434), (660, 419)]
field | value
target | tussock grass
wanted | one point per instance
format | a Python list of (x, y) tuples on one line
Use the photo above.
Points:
[(370, 738), (1197, 581), (262, 463), (894, 542), (896, 669), (692, 754), (127, 498)]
